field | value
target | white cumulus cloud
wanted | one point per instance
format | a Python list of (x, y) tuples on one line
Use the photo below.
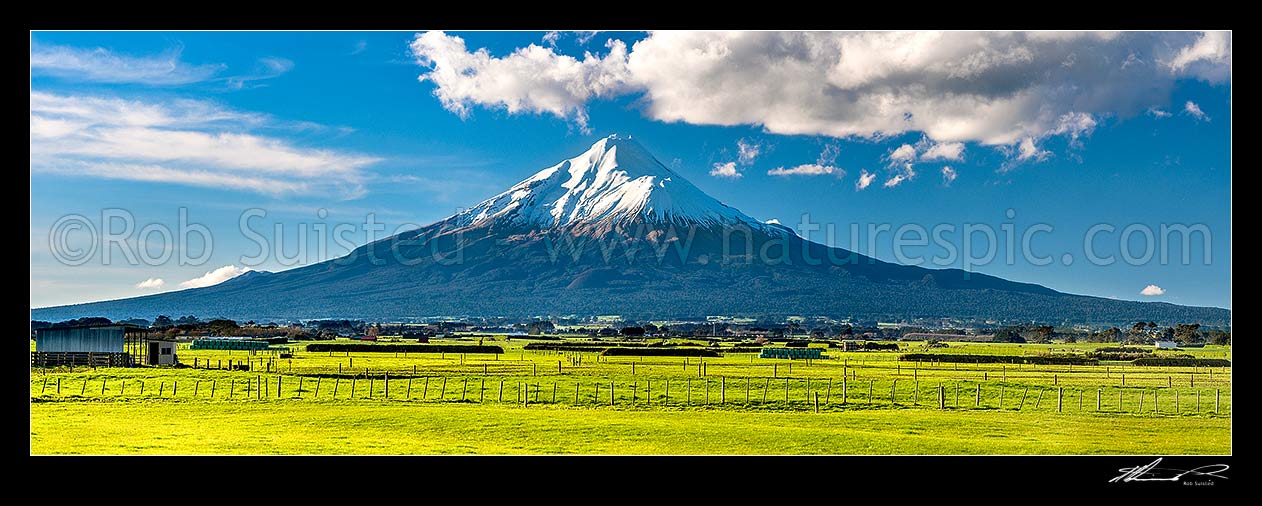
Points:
[(1158, 112), (993, 88), (727, 170), (904, 153), (808, 169), (151, 283), (948, 175), (215, 277), (533, 79), (865, 180), (1152, 290), (1027, 150), (1195, 111), (944, 151), (895, 180)]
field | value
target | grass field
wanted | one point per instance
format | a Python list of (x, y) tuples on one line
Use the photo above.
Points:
[(582, 403)]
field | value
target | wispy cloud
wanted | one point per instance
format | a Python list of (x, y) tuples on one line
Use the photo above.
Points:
[(360, 46), (215, 277), (747, 151), (1027, 150), (808, 169), (726, 170), (267, 68), (1158, 112), (865, 180), (106, 66), (1195, 111), (182, 142), (1152, 291), (151, 283), (948, 175)]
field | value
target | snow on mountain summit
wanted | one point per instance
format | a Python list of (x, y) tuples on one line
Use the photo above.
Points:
[(616, 182)]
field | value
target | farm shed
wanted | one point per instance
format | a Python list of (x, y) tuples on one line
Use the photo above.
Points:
[(105, 346), (1167, 345), (792, 353)]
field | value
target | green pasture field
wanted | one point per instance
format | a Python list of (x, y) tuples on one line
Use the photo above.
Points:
[(568, 402)]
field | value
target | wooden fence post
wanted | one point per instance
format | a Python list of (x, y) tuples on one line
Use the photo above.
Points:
[(443, 393), (870, 382), (554, 392), (1217, 397), (354, 380), (409, 388), (765, 385), (722, 389), (1176, 402), (1023, 394), (212, 389), (688, 390), (501, 396), (1001, 395), (1060, 394), (786, 391), (576, 385), (463, 386), (232, 383), (1098, 394), (894, 392), (817, 402), (828, 392), (1039, 400), (611, 391)]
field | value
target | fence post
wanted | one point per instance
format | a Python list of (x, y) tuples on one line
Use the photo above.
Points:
[(1217, 397), (611, 394), (554, 392), (1023, 394), (277, 386), (828, 392), (576, 385), (232, 383), (103, 382), (765, 385), (688, 391), (786, 391), (1060, 394), (387, 382), (1001, 395), (978, 400), (354, 380), (1039, 400), (1098, 394), (464, 386), (212, 389), (1176, 402), (501, 396), (409, 390), (443, 394), (316, 395), (707, 391), (817, 402), (870, 390), (722, 389)]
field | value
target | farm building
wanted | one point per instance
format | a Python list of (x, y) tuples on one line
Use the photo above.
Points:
[(792, 353), (104, 346), (1167, 345), (229, 343)]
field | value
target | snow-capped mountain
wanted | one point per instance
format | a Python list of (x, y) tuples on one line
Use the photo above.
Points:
[(614, 184), (614, 231)]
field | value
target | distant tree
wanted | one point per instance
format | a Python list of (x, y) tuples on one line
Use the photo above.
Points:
[(1220, 337), (1042, 333), (162, 321), (633, 331), (539, 327), (187, 320), (37, 324), (139, 322), (222, 327), (649, 328), (847, 330), (1187, 333), (1009, 335), (608, 332), (85, 321)]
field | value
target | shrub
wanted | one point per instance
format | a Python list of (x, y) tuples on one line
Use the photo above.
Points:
[(659, 352), (1181, 362), (999, 359)]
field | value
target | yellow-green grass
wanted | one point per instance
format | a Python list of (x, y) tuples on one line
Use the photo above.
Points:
[(641, 419), (368, 427)]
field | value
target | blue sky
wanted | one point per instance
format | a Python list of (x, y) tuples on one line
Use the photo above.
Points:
[(1065, 130)]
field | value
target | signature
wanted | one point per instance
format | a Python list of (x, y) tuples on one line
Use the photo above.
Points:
[(1151, 472)]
